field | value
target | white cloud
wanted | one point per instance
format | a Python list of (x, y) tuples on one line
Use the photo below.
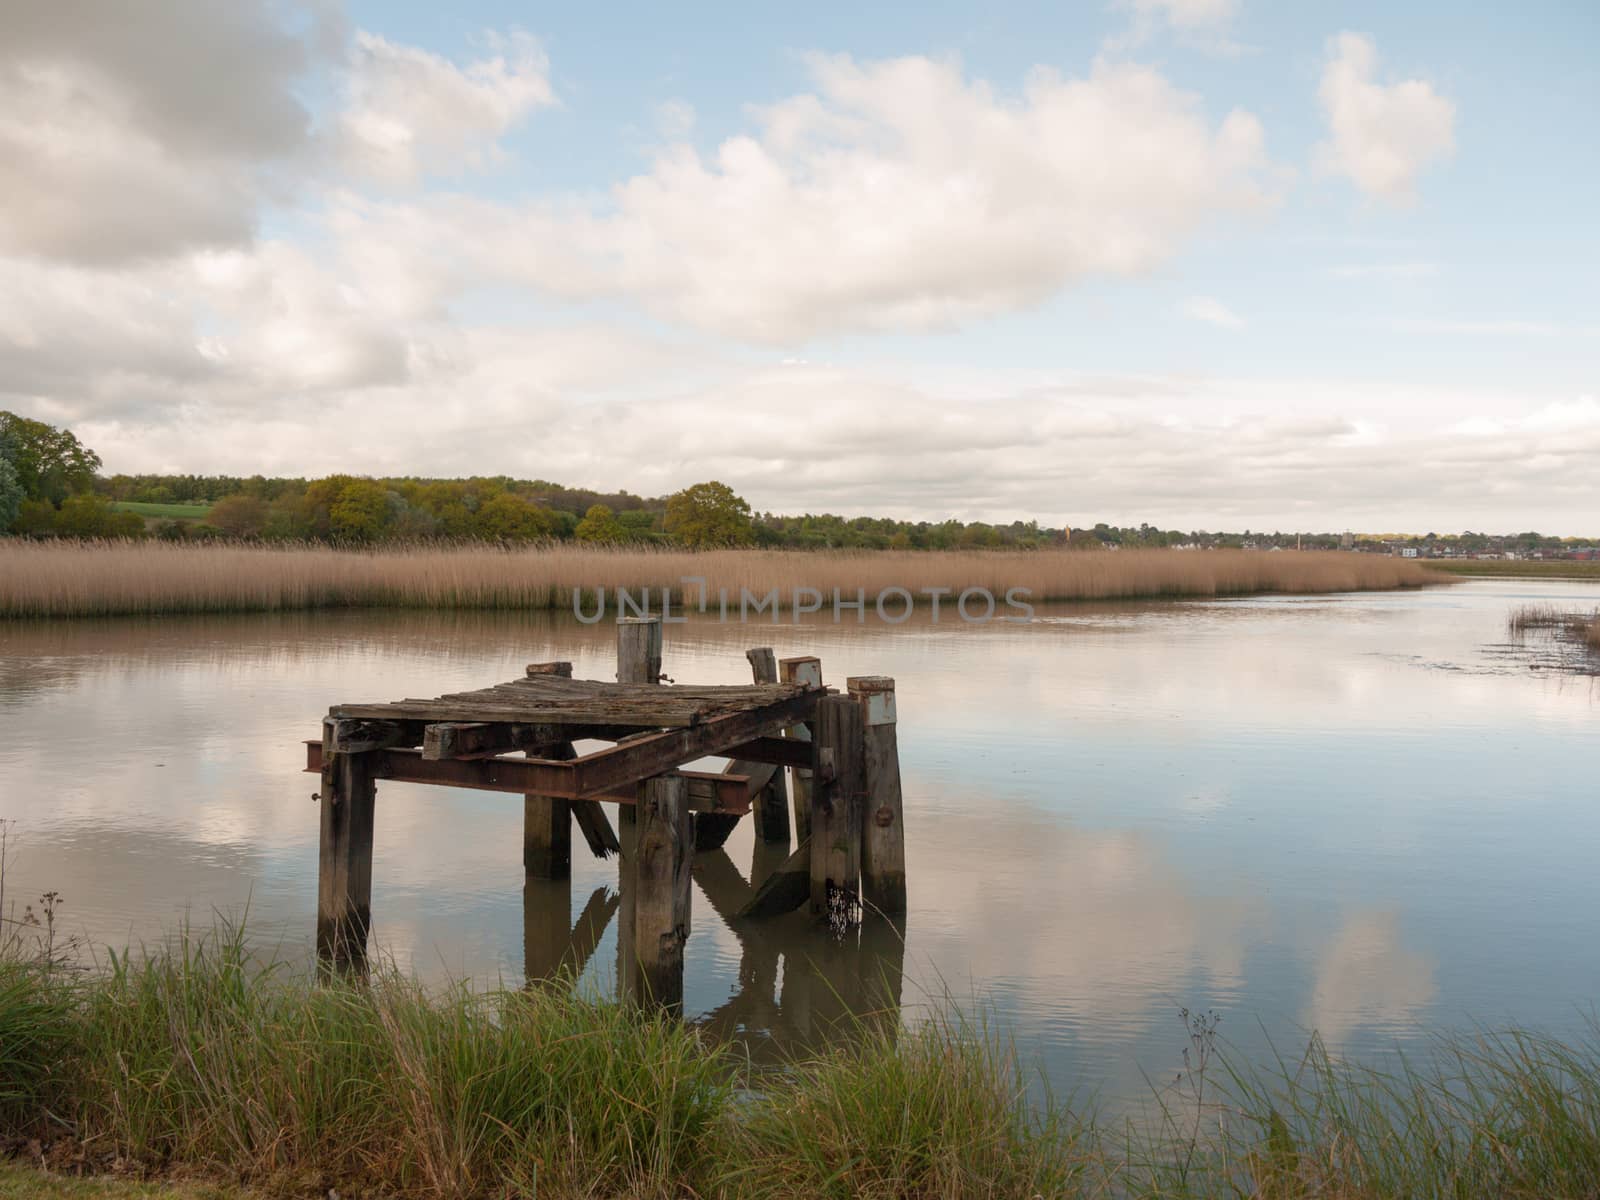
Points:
[(135, 131), (1382, 135), (1212, 312), (411, 112), (897, 195)]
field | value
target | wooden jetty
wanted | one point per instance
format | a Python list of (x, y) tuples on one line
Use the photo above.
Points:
[(841, 748)]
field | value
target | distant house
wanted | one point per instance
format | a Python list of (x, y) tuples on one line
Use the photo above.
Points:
[(1408, 552)]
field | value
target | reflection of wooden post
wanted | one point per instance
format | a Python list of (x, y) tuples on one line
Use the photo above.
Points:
[(344, 857), (546, 926), (639, 650), (883, 842), (627, 857), (772, 803), (805, 669), (547, 821), (838, 787), (661, 884)]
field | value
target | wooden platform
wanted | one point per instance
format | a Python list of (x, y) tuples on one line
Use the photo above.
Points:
[(657, 728), (523, 737)]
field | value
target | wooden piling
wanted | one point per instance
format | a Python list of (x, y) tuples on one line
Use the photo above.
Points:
[(344, 859), (639, 650), (547, 821), (771, 804), (838, 786), (883, 840), (661, 882), (770, 799), (803, 669)]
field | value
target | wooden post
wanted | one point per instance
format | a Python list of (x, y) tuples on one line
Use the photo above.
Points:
[(805, 669), (838, 788), (639, 650), (547, 821), (883, 841), (344, 859), (771, 804), (661, 885)]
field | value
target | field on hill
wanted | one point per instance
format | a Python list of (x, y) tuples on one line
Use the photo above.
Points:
[(174, 512)]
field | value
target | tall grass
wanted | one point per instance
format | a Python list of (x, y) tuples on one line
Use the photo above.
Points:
[(1580, 628), (201, 1057), (62, 579)]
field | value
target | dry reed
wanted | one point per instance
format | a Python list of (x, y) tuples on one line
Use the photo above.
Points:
[(68, 579), (1578, 627)]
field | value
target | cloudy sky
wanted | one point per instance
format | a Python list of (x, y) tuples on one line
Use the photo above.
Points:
[(1206, 263)]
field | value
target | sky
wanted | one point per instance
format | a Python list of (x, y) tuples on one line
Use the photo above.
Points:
[(1211, 264)]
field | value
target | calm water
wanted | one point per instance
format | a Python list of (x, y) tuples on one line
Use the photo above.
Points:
[(1359, 814)]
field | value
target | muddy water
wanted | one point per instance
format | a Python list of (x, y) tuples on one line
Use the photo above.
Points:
[(1362, 814)]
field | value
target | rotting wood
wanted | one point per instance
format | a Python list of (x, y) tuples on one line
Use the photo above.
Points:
[(639, 650), (768, 796), (883, 838), (709, 791), (344, 859), (806, 671), (838, 788), (661, 881), (547, 829)]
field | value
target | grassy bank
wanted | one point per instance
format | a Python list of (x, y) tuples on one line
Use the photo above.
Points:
[(1522, 569), (62, 579), (200, 1061)]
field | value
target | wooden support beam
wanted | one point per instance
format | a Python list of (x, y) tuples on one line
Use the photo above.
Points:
[(547, 829), (347, 735), (344, 859), (771, 804), (596, 828), (777, 751), (638, 649), (838, 788), (662, 884), (708, 791), (563, 669), (806, 669), (883, 840)]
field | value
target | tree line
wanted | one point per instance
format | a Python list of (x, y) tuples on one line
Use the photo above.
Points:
[(51, 485)]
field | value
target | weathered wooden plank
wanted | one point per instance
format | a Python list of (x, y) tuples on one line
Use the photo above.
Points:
[(561, 669), (651, 754), (596, 827), (771, 802), (708, 791), (838, 788), (777, 751), (359, 735), (805, 670), (344, 859), (639, 650), (662, 884), (883, 841), (786, 889)]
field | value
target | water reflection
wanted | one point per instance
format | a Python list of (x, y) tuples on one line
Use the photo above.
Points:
[(1338, 813)]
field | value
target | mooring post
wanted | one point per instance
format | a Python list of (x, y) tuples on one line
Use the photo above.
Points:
[(883, 841), (344, 858), (661, 880), (838, 786), (772, 802), (638, 649), (804, 669), (547, 821)]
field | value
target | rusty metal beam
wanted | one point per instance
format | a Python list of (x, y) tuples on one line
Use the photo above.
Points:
[(708, 791)]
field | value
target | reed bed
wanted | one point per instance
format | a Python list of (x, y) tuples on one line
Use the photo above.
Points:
[(199, 1058), (1580, 628), (73, 579)]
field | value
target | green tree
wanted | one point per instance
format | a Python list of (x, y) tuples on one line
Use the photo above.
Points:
[(50, 463), (508, 517), (346, 508), (239, 516), (10, 491), (709, 514), (93, 517), (600, 524)]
